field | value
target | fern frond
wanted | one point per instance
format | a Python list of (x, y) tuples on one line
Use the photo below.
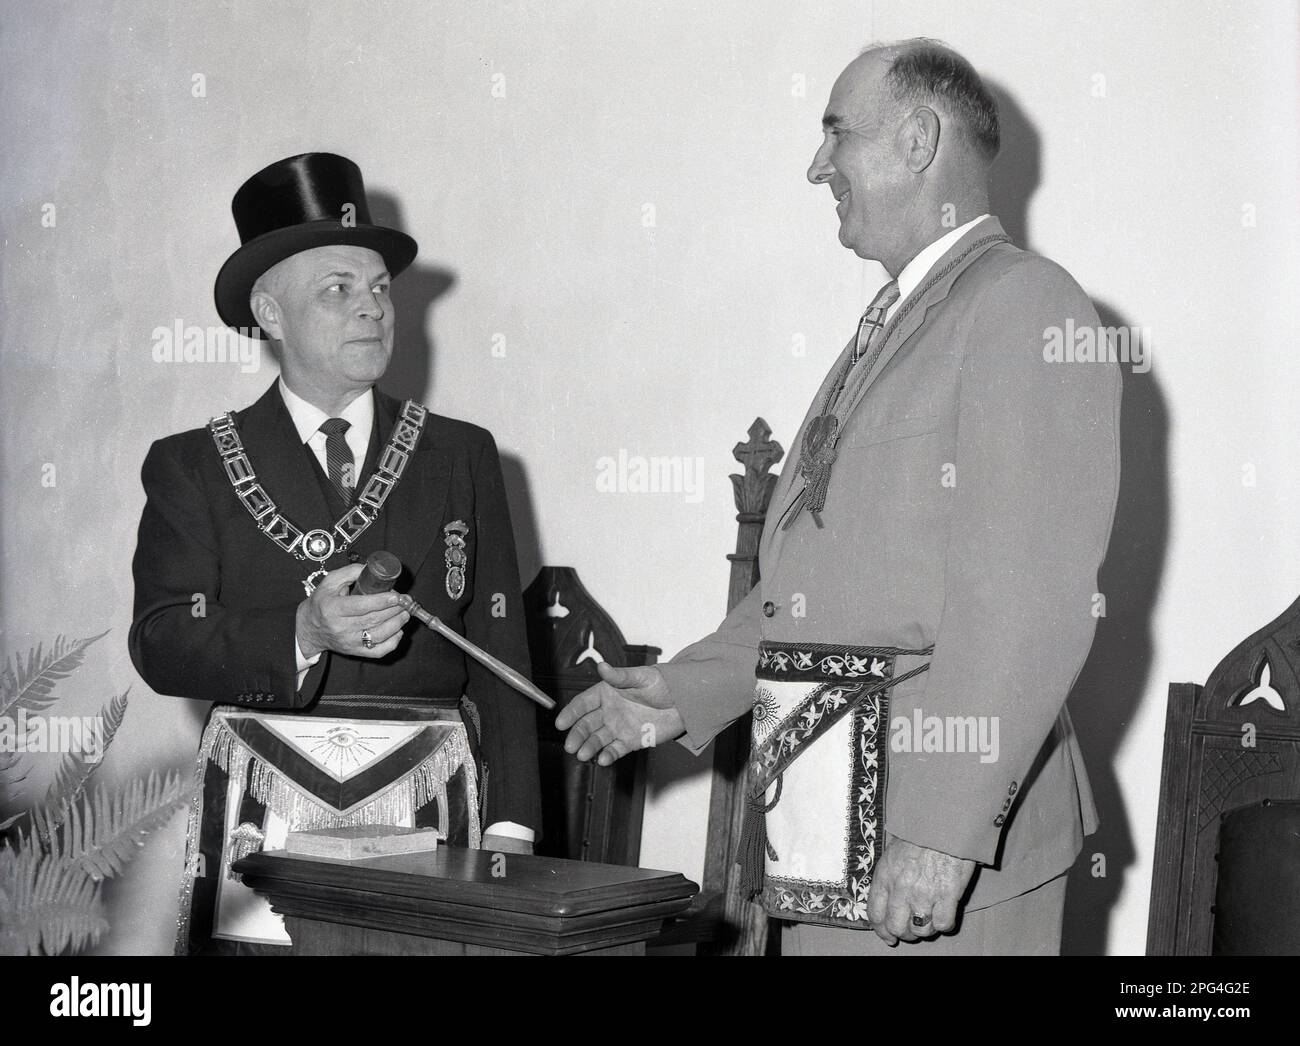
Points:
[(103, 832), (75, 768), (9, 769), (42, 829), (12, 776), (46, 905), (29, 682), (23, 841)]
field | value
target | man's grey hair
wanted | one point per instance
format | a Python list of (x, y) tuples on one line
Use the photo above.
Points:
[(925, 72), (270, 282)]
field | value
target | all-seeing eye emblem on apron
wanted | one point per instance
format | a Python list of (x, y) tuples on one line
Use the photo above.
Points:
[(454, 535)]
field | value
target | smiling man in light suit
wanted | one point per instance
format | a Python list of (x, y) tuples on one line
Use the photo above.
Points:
[(928, 566)]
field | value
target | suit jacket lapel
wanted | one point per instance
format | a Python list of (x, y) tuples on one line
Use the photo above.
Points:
[(911, 314), (414, 510), (897, 332), (283, 462)]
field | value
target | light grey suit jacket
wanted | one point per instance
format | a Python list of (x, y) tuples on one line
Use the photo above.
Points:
[(970, 506)]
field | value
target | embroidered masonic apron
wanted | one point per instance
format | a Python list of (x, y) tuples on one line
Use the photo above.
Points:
[(815, 827)]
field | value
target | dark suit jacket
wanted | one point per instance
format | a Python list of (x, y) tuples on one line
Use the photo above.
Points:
[(215, 599)]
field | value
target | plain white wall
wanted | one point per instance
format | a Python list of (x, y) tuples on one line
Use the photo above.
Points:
[(619, 194)]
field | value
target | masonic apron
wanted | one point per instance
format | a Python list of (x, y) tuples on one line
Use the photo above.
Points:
[(358, 760), (814, 827)]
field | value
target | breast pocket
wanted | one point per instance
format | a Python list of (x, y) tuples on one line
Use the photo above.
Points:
[(895, 429), (905, 467)]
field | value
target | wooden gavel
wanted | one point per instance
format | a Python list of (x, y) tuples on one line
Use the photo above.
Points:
[(380, 575)]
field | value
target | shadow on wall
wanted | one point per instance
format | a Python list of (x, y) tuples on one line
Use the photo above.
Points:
[(410, 374), (1113, 680), (1017, 169), (523, 516)]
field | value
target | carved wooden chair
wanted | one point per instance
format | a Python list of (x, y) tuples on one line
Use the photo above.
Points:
[(1227, 862), (595, 813), (591, 813), (743, 929)]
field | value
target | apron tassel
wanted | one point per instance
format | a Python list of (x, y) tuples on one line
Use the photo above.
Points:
[(754, 844), (244, 840)]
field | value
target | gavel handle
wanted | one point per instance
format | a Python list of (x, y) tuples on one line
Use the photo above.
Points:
[(498, 668)]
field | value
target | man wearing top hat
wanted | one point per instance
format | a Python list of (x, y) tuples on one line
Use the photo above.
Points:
[(331, 708)]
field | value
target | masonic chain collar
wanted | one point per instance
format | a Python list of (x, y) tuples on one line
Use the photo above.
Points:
[(319, 544)]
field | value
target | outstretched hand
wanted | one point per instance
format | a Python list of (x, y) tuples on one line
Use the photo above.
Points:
[(631, 708), (911, 880)]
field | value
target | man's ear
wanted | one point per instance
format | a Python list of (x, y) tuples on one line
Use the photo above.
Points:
[(266, 311), (921, 138)]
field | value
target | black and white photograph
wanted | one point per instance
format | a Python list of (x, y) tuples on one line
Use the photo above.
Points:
[(745, 479)]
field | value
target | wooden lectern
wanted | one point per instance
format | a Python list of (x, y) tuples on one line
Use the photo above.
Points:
[(465, 902)]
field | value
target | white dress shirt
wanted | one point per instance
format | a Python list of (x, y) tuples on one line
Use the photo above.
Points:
[(915, 271), (360, 413), (308, 418)]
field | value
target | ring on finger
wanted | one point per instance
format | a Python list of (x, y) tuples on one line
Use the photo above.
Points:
[(920, 921), (366, 641)]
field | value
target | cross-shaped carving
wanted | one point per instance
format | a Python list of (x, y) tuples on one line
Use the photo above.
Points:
[(760, 453)]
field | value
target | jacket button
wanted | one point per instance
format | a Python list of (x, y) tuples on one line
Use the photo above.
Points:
[(1013, 789), (999, 821), (769, 609)]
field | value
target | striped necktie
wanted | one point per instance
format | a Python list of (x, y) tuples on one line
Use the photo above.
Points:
[(339, 463), (873, 319), (823, 431), (869, 328)]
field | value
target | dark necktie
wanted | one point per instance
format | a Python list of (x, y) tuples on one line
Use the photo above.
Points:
[(339, 462)]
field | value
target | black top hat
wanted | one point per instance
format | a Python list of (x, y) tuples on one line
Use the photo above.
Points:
[(304, 201)]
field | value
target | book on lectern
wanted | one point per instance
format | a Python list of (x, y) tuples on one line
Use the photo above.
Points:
[(360, 841)]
